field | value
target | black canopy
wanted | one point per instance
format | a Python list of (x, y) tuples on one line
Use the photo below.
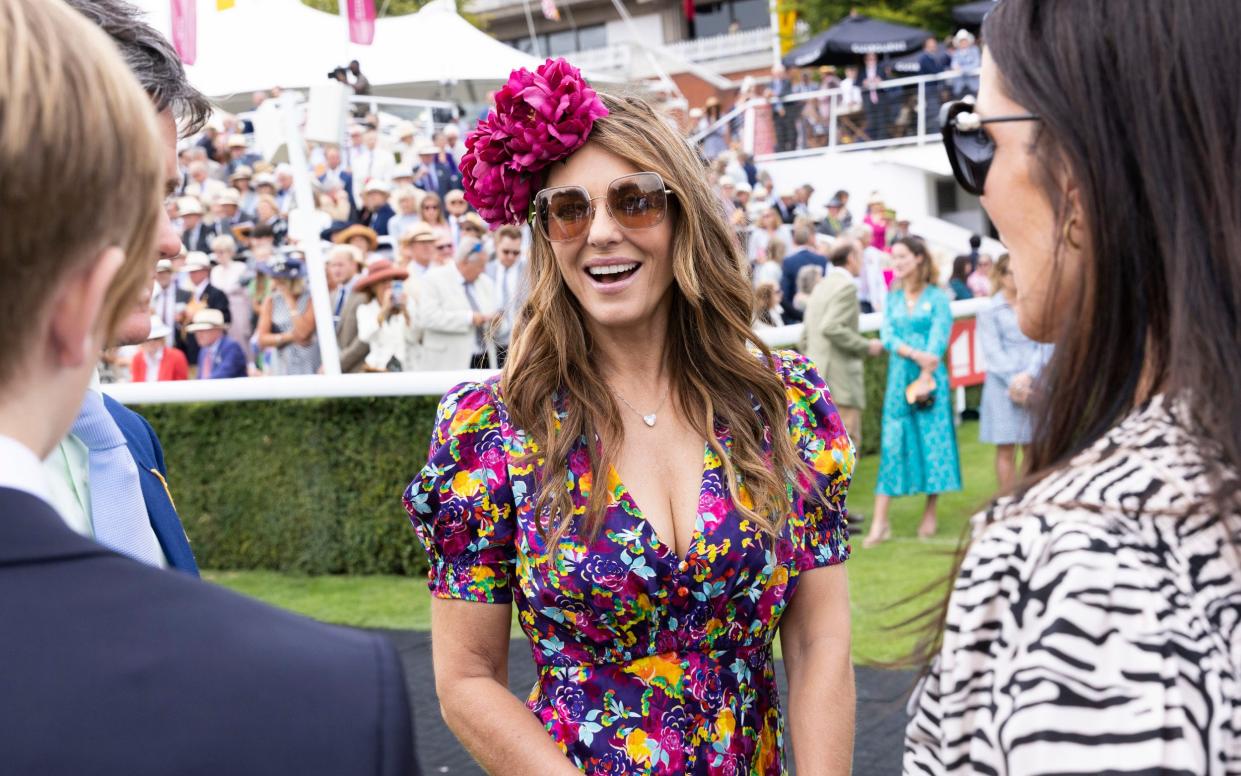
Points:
[(844, 43), (971, 14)]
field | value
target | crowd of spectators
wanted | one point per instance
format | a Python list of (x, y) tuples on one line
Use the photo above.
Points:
[(806, 108), (417, 280)]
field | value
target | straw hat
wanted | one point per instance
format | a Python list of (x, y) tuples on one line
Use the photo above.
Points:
[(159, 329), (205, 319), (190, 206), (357, 230), (197, 260), (419, 232)]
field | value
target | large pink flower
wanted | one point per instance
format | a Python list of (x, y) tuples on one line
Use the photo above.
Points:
[(539, 118)]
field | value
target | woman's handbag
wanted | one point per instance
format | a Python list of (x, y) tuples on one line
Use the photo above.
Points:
[(920, 394)]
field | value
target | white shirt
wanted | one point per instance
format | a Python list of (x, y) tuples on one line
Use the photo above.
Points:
[(20, 469), (66, 474), (153, 362), (164, 304)]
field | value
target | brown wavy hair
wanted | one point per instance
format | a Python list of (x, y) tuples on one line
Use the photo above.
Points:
[(716, 374)]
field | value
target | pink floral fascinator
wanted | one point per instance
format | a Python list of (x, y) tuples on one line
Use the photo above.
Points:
[(539, 118)]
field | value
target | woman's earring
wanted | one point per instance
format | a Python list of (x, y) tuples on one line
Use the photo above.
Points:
[(1069, 226)]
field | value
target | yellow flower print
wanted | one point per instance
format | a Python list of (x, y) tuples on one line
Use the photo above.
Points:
[(656, 670), (470, 420), (637, 746), (466, 484), (725, 724)]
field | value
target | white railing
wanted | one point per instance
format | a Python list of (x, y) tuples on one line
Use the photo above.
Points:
[(725, 46), (393, 384), (847, 126)]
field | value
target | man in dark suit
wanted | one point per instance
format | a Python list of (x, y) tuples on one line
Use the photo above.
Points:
[(376, 212), (803, 234), (203, 296), (334, 171), (219, 356), (196, 234), (111, 666), (438, 176)]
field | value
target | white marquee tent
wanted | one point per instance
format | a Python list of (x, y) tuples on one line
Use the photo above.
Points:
[(263, 43)]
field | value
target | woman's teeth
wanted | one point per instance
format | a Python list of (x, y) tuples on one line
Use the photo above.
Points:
[(611, 269)]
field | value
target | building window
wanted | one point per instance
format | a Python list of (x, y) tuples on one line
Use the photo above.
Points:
[(717, 18), (561, 42)]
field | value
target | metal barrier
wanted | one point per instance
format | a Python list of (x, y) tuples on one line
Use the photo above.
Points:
[(393, 384), (901, 111)]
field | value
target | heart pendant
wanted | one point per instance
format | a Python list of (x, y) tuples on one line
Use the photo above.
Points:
[(649, 419)]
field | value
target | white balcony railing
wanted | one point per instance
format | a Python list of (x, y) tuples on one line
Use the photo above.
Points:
[(619, 58)]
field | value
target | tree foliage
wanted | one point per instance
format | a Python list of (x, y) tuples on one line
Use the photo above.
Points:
[(933, 15)]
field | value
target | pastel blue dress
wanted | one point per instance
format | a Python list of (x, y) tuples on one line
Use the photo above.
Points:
[(1006, 353), (918, 446)]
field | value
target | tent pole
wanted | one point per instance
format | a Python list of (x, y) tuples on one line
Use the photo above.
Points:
[(534, 36), (773, 8), (303, 229)]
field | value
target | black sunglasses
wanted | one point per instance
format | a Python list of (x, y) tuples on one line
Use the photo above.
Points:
[(970, 149)]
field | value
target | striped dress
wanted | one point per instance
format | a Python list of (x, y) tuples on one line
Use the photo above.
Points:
[(1093, 626)]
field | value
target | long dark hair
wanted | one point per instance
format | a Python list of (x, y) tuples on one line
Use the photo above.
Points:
[(1139, 107)]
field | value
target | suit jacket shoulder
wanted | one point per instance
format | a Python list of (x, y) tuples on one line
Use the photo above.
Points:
[(181, 676), (148, 454)]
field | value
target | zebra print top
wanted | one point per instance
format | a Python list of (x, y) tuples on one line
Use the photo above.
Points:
[(1094, 625)]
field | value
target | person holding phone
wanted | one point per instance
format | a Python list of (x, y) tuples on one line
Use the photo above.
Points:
[(386, 321)]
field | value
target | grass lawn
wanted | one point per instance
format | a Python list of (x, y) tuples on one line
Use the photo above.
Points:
[(878, 578)]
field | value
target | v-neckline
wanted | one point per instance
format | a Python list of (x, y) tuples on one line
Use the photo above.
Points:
[(657, 542)]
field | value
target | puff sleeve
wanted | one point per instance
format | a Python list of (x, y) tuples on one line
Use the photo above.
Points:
[(820, 439), (461, 505)]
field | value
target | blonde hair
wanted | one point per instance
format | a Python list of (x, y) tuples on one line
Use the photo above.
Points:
[(75, 126), (403, 192), (776, 250), (716, 375), (350, 252), (223, 242), (431, 196), (999, 268)]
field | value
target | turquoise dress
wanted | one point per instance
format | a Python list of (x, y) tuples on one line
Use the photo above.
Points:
[(919, 446)]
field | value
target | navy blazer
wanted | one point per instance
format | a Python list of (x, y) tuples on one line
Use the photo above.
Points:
[(229, 361), (112, 667), (378, 220), (788, 280), (153, 474)]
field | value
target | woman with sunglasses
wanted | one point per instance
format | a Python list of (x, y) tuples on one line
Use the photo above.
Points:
[(657, 494), (432, 212), (1093, 623)]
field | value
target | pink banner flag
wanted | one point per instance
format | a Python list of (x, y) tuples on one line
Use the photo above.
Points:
[(185, 29), (550, 11), (362, 22)]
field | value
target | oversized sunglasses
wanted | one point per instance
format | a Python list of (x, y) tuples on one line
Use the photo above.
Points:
[(637, 201), (970, 149)]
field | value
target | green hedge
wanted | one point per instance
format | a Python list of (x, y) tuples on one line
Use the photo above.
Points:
[(314, 486), (307, 486)]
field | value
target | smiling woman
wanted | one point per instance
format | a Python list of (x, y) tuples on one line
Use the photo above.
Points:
[(644, 481)]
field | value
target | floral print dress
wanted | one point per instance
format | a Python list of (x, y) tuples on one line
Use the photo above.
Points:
[(648, 663)]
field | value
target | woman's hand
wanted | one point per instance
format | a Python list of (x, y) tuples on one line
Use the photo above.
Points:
[(928, 361), (1020, 388)]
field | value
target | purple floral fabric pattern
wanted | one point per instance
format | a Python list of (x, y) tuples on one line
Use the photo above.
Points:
[(648, 663)]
